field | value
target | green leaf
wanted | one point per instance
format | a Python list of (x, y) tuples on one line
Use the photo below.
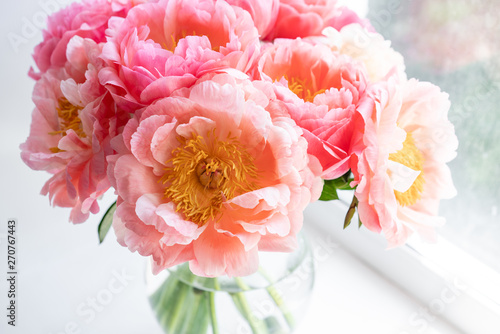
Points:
[(345, 185), (343, 182), (330, 187), (105, 223), (329, 191)]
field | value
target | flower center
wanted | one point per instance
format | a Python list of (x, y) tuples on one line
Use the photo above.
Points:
[(209, 173), (205, 172), (174, 40), (68, 120), (176, 37), (411, 157), (302, 89)]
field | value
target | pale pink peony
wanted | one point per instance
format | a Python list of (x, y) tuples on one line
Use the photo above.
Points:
[(370, 48), (70, 132), (264, 13), (210, 176), (302, 18), (161, 47), (87, 19), (331, 88), (402, 173)]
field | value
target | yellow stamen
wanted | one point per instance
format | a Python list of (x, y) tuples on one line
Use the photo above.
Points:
[(175, 38), (205, 172), (411, 157), (173, 46), (55, 150), (68, 120), (302, 89)]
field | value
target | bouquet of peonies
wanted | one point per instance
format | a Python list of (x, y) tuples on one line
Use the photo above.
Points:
[(217, 122)]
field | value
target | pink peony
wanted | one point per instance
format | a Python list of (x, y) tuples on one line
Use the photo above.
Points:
[(88, 19), (302, 18), (70, 132), (333, 89), (264, 13), (347, 17), (161, 47), (210, 176), (402, 173)]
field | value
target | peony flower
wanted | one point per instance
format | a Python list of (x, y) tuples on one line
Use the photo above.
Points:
[(402, 173), (88, 19), (70, 132), (347, 17), (161, 47), (302, 18), (370, 48), (210, 176), (264, 13), (331, 88)]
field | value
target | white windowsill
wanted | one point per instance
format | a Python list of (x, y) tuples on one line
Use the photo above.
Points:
[(451, 285)]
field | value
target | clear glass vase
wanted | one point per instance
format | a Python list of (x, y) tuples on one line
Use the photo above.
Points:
[(271, 301)]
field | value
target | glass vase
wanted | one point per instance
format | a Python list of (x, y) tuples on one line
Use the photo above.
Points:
[(271, 301)]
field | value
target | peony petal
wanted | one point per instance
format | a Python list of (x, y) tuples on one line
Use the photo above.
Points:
[(402, 177), (141, 140), (134, 179), (217, 254)]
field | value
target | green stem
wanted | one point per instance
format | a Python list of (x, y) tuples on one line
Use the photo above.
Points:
[(241, 283), (160, 300), (255, 323), (181, 307), (172, 328), (174, 304), (211, 307), (278, 300)]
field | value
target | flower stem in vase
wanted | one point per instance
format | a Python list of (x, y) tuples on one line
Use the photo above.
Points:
[(277, 298), (211, 306), (177, 307), (180, 307), (257, 325)]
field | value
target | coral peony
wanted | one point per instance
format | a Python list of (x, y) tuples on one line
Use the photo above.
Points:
[(302, 18), (332, 87), (70, 132), (264, 13), (161, 47), (402, 173), (210, 176), (88, 19)]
